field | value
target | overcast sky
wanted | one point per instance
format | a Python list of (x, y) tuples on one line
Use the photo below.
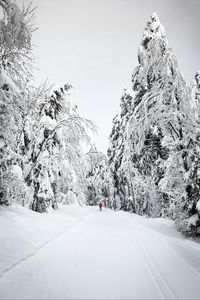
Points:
[(93, 45)]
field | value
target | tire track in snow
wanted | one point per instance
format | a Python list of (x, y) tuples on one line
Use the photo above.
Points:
[(42, 246), (156, 275)]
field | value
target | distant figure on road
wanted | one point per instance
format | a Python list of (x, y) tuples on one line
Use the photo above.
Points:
[(100, 206)]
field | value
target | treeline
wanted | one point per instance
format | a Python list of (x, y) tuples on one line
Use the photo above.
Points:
[(154, 154), (41, 132), (152, 166)]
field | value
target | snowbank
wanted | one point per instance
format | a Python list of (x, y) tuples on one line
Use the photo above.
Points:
[(23, 232)]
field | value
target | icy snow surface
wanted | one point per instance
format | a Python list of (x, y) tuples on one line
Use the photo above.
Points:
[(83, 253)]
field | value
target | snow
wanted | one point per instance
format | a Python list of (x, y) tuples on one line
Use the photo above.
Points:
[(7, 80), (193, 220), (48, 122), (17, 171), (198, 206), (23, 232), (81, 253), (154, 28)]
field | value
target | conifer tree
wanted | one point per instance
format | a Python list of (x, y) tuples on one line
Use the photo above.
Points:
[(158, 129), (187, 208), (155, 153), (116, 152)]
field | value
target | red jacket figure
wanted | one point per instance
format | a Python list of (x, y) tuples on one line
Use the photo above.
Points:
[(100, 205)]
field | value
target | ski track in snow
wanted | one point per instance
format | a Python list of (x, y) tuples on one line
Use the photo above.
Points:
[(106, 255), (159, 280)]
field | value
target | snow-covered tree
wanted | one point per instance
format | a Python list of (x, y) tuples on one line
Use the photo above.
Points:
[(116, 152), (154, 155), (51, 142), (186, 210), (161, 126), (15, 39), (41, 132), (99, 181)]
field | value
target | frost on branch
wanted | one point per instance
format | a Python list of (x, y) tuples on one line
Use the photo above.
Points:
[(15, 29)]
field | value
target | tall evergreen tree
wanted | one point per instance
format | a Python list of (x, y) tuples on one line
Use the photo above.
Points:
[(157, 151), (161, 126), (187, 209), (116, 152)]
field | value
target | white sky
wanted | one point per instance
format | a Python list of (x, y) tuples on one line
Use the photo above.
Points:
[(93, 45)]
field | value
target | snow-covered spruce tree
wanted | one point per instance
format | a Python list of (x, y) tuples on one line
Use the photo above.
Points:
[(51, 142), (122, 189), (187, 209), (15, 39), (153, 154), (161, 126), (99, 181)]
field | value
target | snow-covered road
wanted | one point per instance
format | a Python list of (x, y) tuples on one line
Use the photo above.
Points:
[(109, 255)]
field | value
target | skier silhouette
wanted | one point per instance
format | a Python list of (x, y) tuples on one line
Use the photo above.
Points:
[(100, 206)]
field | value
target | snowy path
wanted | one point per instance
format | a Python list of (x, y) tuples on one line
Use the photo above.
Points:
[(108, 255)]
